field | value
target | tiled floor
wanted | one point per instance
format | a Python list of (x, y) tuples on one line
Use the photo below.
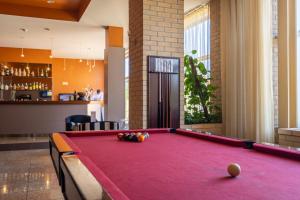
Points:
[(30, 139), (28, 174)]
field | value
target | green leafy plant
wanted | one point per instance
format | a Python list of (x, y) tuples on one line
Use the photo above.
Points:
[(200, 99)]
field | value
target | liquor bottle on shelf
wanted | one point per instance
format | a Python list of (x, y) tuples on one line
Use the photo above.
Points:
[(22, 86), (10, 86), (6, 87), (7, 72), (42, 73), (2, 86), (16, 72), (11, 71), (3, 72), (32, 73), (40, 86), (20, 72), (24, 72), (14, 86), (26, 86), (46, 86), (46, 73), (38, 72), (30, 86)]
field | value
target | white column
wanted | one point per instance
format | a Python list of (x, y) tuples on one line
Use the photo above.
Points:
[(114, 96)]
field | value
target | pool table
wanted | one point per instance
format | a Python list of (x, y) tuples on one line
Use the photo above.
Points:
[(171, 164)]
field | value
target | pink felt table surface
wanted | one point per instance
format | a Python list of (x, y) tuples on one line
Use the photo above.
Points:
[(173, 166)]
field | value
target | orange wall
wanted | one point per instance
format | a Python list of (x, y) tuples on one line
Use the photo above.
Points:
[(77, 74), (31, 55), (114, 36)]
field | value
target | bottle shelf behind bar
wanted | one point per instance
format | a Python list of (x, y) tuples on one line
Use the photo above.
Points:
[(16, 77), (26, 77)]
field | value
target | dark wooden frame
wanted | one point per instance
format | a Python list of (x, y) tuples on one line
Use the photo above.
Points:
[(86, 186), (148, 85), (71, 189), (56, 155)]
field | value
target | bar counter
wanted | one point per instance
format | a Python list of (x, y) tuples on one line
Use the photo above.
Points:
[(41, 117)]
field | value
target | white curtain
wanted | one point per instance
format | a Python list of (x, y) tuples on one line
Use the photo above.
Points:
[(246, 54), (197, 34), (287, 59), (298, 61)]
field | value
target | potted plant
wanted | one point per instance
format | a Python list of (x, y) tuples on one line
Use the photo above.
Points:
[(200, 101)]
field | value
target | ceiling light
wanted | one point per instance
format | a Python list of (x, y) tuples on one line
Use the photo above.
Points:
[(94, 65), (22, 53), (24, 29), (65, 68), (50, 1), (51, 48), (80, 49)]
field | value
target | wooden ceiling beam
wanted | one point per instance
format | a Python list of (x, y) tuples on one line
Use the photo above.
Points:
[(29, 11), (82, 8), (46, 13)]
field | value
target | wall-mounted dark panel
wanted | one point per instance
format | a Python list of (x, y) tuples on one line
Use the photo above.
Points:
[(163, 92)]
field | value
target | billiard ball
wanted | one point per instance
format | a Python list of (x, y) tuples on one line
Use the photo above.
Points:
[(138, 134), (134, 138), (145, 135), (126, 136), (234, 169), (141, 138), (120, 136)]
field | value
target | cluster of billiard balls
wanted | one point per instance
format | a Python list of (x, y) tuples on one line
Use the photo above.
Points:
[(133, 137)]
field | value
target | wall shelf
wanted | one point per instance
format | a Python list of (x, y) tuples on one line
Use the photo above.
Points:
[(34, 79)]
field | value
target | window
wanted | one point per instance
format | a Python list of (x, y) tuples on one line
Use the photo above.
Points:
[(197, 33), (197, 37)]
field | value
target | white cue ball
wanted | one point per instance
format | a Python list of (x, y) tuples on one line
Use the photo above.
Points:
[(234, 169)]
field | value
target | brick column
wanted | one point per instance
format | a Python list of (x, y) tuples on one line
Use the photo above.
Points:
[(215, 48), (155, 28)]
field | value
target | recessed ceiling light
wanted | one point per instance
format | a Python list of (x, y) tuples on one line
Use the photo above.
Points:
[(24, 29), (50, 1)]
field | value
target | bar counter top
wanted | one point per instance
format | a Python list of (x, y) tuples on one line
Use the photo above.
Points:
[(48, 102)]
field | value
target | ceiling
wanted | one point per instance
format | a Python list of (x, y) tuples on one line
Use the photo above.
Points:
[(69, 39), (68, 10), (190, 4), (59, 4)]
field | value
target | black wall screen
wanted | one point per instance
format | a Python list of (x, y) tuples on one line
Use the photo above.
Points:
[(163, 92)]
